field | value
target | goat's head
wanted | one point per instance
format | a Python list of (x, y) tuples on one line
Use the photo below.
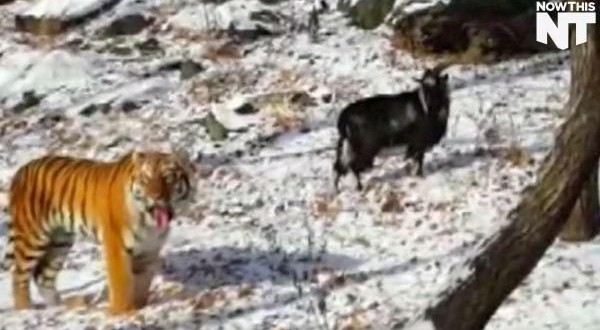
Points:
[(435, 92), (434, 81)]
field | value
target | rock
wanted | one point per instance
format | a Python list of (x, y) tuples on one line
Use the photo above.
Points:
[(129, 106), (265, 16), (247, 35), (149, 45), (49, 17), (246, 109), (482, 31), (37, 26), (227, 115), (187, 68), (216, 131), (119, 50), (49, 121), (245, 20), (95, 108), (344, 5), (28, 99), (367, 14), (303, 99), (76, 43), (128, 24)]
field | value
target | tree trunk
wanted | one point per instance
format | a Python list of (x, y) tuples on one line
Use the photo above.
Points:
[(509, 256), (582, 224)]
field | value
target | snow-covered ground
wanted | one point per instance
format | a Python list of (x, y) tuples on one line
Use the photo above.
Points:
[(268, 244)]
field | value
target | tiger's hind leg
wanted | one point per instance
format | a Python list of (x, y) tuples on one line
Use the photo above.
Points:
[(49, 265), (27, 253), (144, 269)]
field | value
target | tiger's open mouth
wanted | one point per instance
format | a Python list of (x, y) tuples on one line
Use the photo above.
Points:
[(162, 215)]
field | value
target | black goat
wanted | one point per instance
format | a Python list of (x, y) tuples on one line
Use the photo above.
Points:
[(416, 119)]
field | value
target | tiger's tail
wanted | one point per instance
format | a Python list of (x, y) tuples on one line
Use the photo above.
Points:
[(9, 252)]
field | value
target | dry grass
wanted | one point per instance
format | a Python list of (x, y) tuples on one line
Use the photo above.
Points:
[(385, 200), (325, 206), (474, 54), (42, 26), (288, 79), (516, 156), (209, 299), (287, 112), (223, 51), (354, 322), (283, 115), (486, 38)]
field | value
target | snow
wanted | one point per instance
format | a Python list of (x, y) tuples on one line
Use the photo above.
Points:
[(267, 243), (42, 71), (64, 9), (421, 325), (138, 89), (227, 116), (220, 16)]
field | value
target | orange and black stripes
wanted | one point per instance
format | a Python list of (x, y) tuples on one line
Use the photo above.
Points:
[(54, 198)]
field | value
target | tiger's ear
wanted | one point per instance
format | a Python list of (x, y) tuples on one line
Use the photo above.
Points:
[(183, 158), (141, 161), (138, 157)]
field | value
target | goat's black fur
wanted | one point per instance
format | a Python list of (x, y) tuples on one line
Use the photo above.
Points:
[(416, 119)]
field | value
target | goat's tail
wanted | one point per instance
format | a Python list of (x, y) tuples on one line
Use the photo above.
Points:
[(342, 161), (344, 153), (343, 156)]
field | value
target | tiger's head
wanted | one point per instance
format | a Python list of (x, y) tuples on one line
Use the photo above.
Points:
[(161, 183)]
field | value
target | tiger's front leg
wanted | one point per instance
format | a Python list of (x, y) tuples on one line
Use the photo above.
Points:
[(144, 269), (119, 274)]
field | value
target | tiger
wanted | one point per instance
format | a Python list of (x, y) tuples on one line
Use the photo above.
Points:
[(125, 205)]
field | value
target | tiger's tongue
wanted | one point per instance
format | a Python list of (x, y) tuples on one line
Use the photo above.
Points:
[(162, 217)]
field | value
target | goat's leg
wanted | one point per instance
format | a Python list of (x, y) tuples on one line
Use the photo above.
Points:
[(360, 165), (336, 182), (359, 185), (419, 158)]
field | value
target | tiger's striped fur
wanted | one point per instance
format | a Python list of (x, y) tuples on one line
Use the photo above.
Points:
[(124, 205)]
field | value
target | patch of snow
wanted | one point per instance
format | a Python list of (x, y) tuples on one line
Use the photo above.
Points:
[(64, 9), (421, 325), (129, 92), (233, 121), (42, 72), (217, 17)]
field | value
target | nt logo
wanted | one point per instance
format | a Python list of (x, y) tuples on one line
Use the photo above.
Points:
[(567, 12)]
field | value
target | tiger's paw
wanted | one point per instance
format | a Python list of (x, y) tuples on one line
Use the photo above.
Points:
[(120, 312)]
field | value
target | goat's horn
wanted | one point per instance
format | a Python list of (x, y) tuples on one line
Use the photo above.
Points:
[(441, 67)]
